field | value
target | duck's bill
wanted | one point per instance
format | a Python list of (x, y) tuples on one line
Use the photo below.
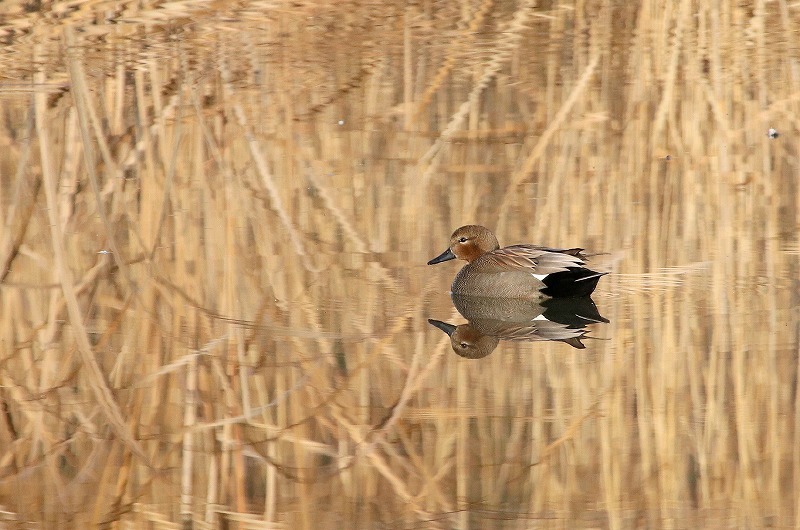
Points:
[(444, 256), (444, 326)]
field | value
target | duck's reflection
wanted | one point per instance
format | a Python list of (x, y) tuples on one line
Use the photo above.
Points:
[(491, 320)]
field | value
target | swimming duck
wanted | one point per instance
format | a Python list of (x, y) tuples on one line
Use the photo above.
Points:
[(517, 271)]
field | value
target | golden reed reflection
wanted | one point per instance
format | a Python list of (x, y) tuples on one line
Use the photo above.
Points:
[(215, 223)]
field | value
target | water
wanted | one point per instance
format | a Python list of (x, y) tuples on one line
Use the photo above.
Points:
[(231, 326)]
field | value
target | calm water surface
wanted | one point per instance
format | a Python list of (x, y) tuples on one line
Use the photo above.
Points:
[(215, 304)]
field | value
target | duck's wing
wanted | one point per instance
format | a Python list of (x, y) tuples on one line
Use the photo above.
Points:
[(577, 252), (534, 259)]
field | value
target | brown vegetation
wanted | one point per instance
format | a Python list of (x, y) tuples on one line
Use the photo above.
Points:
[(215, 220)]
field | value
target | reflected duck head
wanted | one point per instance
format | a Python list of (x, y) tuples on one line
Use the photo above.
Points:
[(466, 341), (468, 243)]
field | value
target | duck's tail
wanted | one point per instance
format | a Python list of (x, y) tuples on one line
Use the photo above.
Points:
[(572, 283)]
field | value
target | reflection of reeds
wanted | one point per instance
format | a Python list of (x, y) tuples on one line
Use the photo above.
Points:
[(217, 308)]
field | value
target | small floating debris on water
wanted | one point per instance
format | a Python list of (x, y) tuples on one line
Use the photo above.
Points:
[(663, 154)]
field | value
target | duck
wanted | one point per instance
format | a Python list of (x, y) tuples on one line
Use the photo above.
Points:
[(517, 271)]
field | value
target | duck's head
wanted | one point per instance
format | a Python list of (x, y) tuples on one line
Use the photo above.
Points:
[(468, 243)]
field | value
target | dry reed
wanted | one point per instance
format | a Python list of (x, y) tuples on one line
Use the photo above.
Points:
[(215, 313)]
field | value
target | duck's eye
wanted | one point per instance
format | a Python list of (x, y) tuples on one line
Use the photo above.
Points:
[(464, 345), (462, 240)]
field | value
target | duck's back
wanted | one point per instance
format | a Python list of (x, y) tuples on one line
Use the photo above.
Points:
[(522, 271)]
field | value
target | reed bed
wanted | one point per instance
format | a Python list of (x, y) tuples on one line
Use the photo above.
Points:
[(212, 281)]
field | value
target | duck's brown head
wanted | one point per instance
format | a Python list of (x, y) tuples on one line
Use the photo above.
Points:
[(468, 243)]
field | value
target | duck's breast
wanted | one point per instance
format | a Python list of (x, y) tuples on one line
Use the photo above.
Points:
[(506, 284)]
